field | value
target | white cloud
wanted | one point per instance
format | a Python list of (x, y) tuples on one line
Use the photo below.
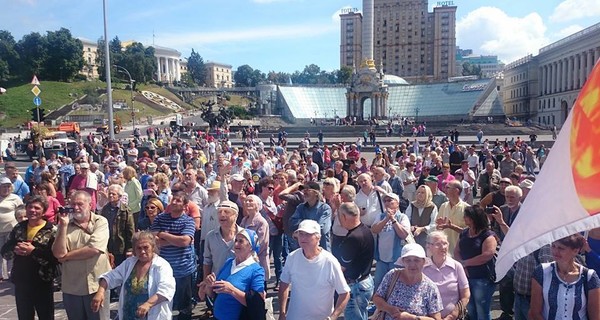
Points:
[(489, 30), (570, 10), (192, 39)]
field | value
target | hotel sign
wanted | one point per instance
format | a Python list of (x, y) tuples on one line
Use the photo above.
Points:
[(349, 10), (445, 3)]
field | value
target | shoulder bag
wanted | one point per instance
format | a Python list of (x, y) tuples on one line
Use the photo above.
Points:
[(380, 314)]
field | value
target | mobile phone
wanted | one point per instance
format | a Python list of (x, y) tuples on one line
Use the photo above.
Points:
[(489, 209), (65, 210), (148, 192)]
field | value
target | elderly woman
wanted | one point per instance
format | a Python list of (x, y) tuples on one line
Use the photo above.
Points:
[(422, 214), (406, 293), (152, 208), (133, 188), (565, 278), (146, 280), (391, 228), (120, 223), (253, 220), (8, 204), (237, 279), (449, 276), (29, 245), (476, 248)]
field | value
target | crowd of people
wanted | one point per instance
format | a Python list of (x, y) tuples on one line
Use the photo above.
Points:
[(203, 223)]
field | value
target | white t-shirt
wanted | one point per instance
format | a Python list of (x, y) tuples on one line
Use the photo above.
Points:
[(313, 283), (371, 204)]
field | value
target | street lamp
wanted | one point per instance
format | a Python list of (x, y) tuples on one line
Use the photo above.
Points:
[(111, 125), (131, 81), (417, 115)]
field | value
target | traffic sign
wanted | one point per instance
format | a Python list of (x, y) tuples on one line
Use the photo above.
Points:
[(37, 101), (36, 90), (35, 81)]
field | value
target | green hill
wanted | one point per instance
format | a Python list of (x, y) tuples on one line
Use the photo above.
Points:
[(16, 103)]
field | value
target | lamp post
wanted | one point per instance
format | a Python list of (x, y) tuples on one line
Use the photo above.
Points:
[(111, 125), (131, 81), (417, 115)]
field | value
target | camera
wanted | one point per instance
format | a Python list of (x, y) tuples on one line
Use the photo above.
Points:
[(489, 209)]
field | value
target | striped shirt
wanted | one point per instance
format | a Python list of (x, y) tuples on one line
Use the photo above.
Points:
[(181, 259), (564, 300)]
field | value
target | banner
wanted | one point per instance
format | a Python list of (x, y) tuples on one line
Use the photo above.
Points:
[(565, 198)]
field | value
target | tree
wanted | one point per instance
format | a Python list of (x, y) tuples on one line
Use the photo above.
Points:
[(244, 76), (344, 75), (8, 55), (33, 53), (471, 70), (114, 47), (196, 68), (139, 61), (65, 57)]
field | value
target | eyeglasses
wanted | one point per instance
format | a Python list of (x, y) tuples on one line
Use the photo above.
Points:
[(150, 207), (438, 244)]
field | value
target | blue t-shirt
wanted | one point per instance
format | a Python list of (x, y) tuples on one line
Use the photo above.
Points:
[(251, 277), (181, 259)]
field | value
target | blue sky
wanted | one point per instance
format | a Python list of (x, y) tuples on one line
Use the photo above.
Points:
[(286, 35)]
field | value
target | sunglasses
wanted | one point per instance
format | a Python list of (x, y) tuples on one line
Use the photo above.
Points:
[(150, 207)]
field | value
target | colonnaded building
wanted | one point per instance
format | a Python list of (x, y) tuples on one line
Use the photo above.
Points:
[(543, 88)]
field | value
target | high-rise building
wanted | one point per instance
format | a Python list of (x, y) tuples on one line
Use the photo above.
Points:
[(409, 41), (489, 64), (351, 38)]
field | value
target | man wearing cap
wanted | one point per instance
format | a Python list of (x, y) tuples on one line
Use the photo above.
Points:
[(209, 214), (20, 188), (525, 186), (438, 196), (218, 244), (147, 173), (314, 274), (355, 254), (451, 214), (315, 209)]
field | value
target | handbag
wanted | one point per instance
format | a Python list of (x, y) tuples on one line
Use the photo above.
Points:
[(462, 311), (380, 314)]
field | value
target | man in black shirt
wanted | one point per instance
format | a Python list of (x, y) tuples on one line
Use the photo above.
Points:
[(355, 254)]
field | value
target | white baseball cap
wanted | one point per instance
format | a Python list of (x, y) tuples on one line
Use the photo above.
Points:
[(309, 226)]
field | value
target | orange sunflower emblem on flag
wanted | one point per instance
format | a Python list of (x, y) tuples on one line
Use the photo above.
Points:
[(585, 144)]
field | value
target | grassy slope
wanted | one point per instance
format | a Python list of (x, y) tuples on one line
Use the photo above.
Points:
[(18, 100)]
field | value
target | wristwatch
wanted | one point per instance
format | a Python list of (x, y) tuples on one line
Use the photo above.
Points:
[(394, 221)]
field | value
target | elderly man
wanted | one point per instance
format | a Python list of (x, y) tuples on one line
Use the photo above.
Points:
[(489, 180), (196, 193), (355, 254), (380, 178), (451, 214), (85, 181), (80, 246), (314, 274), (218, 245), (175, 235), (503, 218), (314, 209), (20, 188), (368, 199)]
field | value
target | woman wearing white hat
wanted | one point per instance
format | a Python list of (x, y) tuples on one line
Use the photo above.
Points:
[(407, 292), (8, 204)]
